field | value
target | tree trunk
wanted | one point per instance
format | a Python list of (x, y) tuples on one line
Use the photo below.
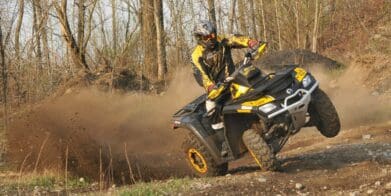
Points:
[(17, 31), (263, 20), (297, 14), (242, 16), (4, 77), (231, 16), (278, 25), (315, 31), (102, 26), (43, 13), (87, 35), (161, 50), (36, 32), (252, 16), (114, 27), (149, 37), (212, 11), (80, 26), (78, 58)]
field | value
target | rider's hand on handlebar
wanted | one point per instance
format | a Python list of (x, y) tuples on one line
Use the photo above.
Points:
[(253, 44), (212, 87), (228, 79)]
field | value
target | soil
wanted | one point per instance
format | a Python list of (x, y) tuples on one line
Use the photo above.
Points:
[(357, 161)]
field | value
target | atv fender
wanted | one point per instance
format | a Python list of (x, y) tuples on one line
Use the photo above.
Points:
[(203, 135)]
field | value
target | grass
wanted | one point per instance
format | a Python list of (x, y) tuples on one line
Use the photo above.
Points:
[(11, 183), (158, 188)]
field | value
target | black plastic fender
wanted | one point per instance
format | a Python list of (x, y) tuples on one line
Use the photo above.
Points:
[(194, 125)]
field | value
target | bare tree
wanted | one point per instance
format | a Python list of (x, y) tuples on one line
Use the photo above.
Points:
[(36, 30), (161, 50), (18, 28), (212, 11), (263, 19), (4, 76), (242, 16), (77, 57), (297, 14), (80, 27), (114, 26), (231, 16), (253, 23), (316, 23), (278, 25), (149, 37)]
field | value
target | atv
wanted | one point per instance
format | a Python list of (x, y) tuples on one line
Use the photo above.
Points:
[(260, 113)]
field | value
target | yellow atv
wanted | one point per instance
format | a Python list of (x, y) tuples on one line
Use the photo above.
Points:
[(260, 113)]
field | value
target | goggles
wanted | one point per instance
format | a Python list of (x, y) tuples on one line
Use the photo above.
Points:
[(208, 37)]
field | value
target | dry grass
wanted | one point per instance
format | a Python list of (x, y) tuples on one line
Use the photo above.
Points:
[(44, 182)]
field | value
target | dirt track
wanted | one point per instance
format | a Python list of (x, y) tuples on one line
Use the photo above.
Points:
[(312, 164)]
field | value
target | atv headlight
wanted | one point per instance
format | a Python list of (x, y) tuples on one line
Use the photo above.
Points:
[(306, 81), (267, 107)]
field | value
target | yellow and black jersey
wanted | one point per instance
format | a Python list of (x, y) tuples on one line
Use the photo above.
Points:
[(211, 66)]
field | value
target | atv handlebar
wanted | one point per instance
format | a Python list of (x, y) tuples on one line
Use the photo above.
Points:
[(248, 57)]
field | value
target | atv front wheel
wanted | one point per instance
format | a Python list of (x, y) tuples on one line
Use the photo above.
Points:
[(324, 114), (259, 150), (200, 159)]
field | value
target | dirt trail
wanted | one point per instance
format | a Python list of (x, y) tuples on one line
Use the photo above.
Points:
[(312, 165)]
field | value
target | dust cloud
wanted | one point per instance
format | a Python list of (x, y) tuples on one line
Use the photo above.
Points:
[(356, 104), (96, 127)]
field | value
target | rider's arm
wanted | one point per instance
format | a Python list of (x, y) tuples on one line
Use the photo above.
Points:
[(237, 41), (196, 60)]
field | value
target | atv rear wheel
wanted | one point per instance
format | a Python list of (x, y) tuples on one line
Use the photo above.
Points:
[(259, 150), (200, 159), (323, 114)]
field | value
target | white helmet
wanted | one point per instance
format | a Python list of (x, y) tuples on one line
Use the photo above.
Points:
[(205, 33)]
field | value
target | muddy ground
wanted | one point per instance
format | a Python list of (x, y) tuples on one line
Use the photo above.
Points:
[(358, 161)]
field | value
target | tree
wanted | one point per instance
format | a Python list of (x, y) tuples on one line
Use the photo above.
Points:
[(80, 27), (36, 32), (78, 58), (297, 14), (263, 20), (114, 26), (149, 37), (231, 16), (316, 24), (253, 23), (278, 25), (18, 28), (161, 50), (242, 16), (212, 11)]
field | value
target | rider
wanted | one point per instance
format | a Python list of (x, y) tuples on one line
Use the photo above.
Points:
[(212, 63)]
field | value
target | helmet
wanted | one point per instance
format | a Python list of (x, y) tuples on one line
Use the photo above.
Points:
[(204, 28), (205, 33)]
